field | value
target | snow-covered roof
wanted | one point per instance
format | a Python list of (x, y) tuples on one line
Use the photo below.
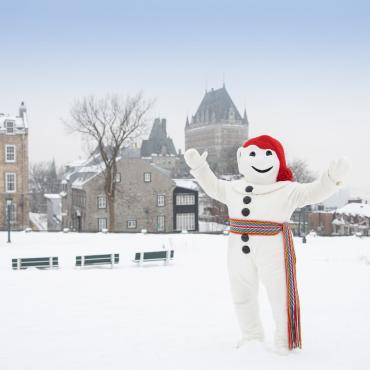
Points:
[(19, 122), (338, 221), (355, 209), (52, 196), (186, 184), (81, 180)]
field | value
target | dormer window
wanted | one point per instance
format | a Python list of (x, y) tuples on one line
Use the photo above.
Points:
[(9, 126)]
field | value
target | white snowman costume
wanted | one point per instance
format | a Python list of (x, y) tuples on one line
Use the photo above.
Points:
[(258, 196)]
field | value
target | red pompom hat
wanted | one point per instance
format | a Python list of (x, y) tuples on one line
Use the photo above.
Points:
[(268, 142)]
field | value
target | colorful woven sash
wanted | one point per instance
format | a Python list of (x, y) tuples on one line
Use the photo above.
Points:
[(252, 227)]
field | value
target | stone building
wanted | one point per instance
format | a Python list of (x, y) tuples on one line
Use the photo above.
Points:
[(217, 127), (146, 198), (14, 169), (158, 141), (160, 150)]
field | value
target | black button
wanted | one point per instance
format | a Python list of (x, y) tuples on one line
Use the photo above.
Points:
[(247, 199), (245, 237), (249, 189), (246, 212), (246, 249)]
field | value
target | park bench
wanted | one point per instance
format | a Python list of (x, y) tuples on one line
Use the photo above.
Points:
[(164, 255), (97, 259), (39, 262)]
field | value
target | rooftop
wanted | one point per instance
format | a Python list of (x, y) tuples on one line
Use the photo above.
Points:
[(216, 107)]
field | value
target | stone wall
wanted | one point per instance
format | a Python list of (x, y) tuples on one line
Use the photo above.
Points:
[(221, 142), (135, 199)]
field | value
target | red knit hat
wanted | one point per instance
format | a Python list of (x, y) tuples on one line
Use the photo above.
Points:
[(268, 142)]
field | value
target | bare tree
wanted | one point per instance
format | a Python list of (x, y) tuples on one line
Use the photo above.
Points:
[(107, 125), (300, 170)]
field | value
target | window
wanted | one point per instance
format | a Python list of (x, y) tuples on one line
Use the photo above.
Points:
[(118, 177), (9, 125), (147, 177), (131, 224), (160, 200), (102, 223), (185, 199), (13, 213), (185, 221), (10, 182), (160, 223), (10, 153), (102, 203)]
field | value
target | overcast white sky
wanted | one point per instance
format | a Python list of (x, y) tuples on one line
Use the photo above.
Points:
[(301, 69)]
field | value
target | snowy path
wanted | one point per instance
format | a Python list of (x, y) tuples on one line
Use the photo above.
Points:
[(174, 317)]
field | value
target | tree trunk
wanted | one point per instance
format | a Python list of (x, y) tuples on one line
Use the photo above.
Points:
[(112, 218)]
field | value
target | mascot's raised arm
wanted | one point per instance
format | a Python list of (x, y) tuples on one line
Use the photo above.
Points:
[(260, 243)]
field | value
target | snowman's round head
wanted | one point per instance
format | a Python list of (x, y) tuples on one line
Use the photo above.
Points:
[(262, 161)]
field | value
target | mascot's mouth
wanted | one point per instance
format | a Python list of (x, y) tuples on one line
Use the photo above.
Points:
[(262, 171)]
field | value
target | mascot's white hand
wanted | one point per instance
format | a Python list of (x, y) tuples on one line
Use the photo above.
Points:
[(194, 159), (338, 170)]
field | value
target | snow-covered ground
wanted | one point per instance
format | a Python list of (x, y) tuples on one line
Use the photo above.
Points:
[(172, 317)]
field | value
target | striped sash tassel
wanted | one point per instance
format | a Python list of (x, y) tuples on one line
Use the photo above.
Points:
[(238, 226)]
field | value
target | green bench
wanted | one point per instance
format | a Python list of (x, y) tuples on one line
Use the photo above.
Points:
[(38, 262), (165, 256), (97, 259)]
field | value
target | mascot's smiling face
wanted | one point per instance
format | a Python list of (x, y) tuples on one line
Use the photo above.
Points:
[(259, 166)]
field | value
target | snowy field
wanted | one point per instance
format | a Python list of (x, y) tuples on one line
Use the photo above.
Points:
[(172, 317)]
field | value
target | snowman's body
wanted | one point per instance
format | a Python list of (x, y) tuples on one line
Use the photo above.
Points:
[(251, 258)]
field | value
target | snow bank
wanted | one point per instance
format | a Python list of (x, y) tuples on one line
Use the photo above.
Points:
[(172, 317)]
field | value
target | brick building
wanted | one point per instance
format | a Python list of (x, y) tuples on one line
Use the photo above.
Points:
[(14, 169), (321, 222)]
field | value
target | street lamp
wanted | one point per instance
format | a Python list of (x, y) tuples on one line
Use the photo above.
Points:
[(9, 209)]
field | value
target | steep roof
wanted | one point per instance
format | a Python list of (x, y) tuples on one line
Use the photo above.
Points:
[(217, 106), (158, 141)]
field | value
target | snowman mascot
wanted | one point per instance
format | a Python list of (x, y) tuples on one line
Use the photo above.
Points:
[(260, 244)]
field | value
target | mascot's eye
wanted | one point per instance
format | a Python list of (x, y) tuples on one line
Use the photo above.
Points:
[(269, 152), (252, 154)]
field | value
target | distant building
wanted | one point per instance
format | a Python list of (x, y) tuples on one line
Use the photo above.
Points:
[(146, 198), (14, 169), (351, 219), (217, 127), (321, 222), (159, 150), (158, 142)]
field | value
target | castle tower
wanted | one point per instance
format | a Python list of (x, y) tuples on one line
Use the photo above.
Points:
[(158, 141), (14, 169), (217, 127)]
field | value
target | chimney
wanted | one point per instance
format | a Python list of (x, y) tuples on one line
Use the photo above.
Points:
[(22, 110)]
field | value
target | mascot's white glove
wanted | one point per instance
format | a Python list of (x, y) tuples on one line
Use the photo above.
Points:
[(338, 170), (194, 159)]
